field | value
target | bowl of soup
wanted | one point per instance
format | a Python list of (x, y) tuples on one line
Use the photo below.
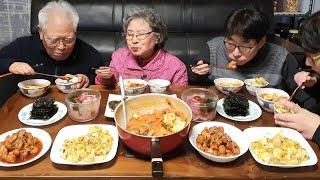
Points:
[(158, 85), (134, 86), (268, 96), (227, 85), (34, 87), (67, 84)]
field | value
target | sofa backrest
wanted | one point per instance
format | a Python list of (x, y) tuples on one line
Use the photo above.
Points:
[(190, 22)]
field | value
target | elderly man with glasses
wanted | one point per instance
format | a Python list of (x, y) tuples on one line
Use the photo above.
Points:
[(144, 57), (244, 53), (56, 47)]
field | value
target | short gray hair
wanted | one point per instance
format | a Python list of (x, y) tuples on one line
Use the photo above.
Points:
[(156, 23), (62, 6)]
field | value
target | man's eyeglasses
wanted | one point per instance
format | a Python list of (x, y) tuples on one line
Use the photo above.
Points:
[(243, 49), (315, 58), (129, 36), (55, 41)]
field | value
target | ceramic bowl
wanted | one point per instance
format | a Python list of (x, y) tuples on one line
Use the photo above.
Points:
[(268, 96), (34, 87), (158, 85), (227, 85)]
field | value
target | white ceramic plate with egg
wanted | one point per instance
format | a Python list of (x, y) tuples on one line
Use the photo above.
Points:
[(256, 133), (70, 132), (24, 115), (254, 112)]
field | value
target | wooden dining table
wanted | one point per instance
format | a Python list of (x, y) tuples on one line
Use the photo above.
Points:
[(183, 163)]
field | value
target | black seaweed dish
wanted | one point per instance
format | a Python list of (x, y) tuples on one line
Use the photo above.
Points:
[(43, 108), (236, 105)]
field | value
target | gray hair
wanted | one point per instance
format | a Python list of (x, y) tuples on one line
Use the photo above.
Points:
[(62, 6), (155, 22)]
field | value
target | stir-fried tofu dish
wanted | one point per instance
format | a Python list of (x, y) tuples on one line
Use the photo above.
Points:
[(159, 123)]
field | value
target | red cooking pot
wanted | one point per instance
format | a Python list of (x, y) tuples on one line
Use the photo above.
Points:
[(153, 146)]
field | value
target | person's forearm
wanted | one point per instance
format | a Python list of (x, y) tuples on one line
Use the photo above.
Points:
[(316, 136)]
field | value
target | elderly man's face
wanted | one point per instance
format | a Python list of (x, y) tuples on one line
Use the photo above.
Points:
[(140, 39), (59, 36)]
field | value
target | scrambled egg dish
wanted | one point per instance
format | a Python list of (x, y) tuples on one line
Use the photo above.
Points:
[(279, 150), (259, 81), (91, 147)]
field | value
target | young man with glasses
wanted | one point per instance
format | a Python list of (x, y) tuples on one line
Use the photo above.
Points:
[(245, 46), (56, 47), (304, 121)]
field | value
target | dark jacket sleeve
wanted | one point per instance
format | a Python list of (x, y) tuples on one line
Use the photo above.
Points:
[(8, 55), (195, 79), (316, 136), (305, 97)]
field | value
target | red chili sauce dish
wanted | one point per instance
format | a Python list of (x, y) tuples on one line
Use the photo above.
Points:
[(19, 147)]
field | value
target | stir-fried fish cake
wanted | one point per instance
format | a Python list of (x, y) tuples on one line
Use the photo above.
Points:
[(279, 150), (91, 147), (19, 147), (215, 141)]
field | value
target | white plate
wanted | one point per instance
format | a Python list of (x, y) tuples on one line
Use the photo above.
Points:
[(115, 97), (254, 112), (42, 135), (73, 131), (24, 115), (235, 134), (256, 133)]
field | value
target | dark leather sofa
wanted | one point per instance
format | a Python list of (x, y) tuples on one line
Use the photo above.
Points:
[(190, 24)]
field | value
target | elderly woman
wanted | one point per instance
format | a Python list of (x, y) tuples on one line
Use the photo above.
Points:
[(144, 56)]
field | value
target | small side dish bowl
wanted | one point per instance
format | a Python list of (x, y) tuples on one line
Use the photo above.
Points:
[(158, 85), (83, 104), (252, 86), (134, 86), (233, 132), (227, 85), (279, 108), (268, 96), (67, 86), (202, 102), (34, 87)]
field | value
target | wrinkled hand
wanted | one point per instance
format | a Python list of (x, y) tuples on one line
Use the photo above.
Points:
[(201, 68), (21, 68), (305, 78), (83, 81), (303, 121), (104, 72)]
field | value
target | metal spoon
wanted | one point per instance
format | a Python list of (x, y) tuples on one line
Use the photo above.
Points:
[(123, 101), (294, 92)]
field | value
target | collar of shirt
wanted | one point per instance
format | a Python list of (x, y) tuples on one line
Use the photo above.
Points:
[(156, 62)]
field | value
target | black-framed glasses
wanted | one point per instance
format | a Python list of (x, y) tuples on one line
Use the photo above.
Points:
[(141, 36), (243, 49)]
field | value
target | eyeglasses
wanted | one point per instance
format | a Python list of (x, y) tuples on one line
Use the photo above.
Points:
[(129, 36), (315, 58), (55, 41), (242, 49)]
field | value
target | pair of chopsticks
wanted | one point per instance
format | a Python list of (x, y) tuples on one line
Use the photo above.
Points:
[(34, 66)]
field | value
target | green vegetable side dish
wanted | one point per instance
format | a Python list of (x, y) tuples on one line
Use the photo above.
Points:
[(43, 108), (236, 105)]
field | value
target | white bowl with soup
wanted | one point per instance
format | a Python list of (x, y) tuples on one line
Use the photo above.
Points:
[(253, 84), (268, 96), (158, 85), (67, 85), (134, 86), (227, 85), (34, 87)]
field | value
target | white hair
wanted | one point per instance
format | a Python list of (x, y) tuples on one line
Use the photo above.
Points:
[(62, 6)]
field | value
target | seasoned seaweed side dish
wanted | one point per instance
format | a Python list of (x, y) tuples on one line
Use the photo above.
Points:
[(236, 105), (43, 108), (113, 104)]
